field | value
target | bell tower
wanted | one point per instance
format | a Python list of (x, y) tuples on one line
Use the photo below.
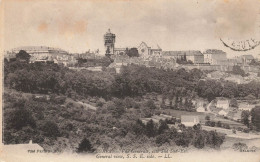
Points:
[(109, 39)]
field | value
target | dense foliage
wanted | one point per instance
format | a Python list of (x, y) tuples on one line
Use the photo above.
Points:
[(59, 121), (132, 81)]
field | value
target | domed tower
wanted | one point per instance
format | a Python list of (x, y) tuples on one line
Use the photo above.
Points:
[(109, 39)]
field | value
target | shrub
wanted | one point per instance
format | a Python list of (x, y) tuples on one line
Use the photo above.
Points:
[(208, 123), (226, 126), (85, 146), (207, 117), (212, 124), (51, 129), (219, 124), (22, 117), (161, 139), (246, 130), (239, 146)]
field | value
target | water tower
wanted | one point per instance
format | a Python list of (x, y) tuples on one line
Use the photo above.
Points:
[(109, 39)]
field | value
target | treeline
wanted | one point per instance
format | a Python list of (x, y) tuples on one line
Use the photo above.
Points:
[(211, 89), (133, 80)]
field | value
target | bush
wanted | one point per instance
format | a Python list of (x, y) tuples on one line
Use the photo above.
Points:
[(246, 130), (208, 123), (226, 126), (85, 146), (207, 117), (239, 146), (219, 124), (212, 124), (21, 118), (51, 129), (150, 104), (161, 139)]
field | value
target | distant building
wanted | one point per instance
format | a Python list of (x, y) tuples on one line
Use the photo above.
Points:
[(223, 112), (214, 56), (109, 39), (245, 106), (189, 120), (195, 56), (145, 51), (222, 103), (200, 109), (45, 54), (120, 51), (235, 78), (246, 59)]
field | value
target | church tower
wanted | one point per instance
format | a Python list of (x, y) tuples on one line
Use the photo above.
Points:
[(109, 39)]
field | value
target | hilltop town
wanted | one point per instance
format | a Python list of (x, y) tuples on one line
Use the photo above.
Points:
[(132, 98)]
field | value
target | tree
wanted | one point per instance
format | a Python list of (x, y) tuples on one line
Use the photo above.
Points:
[(233, 103), (254, 63), (199, 141), (117, 108), (85, 147), (245, 117), (51, 129), (163, 126), (230, 90), (255, 113), (239, 146), (161, 139), (133, 52), (21, 118), (150, 104), (23, 56), (214, 140), (139, 127), (238, 71), (150, 128), (219, 124)]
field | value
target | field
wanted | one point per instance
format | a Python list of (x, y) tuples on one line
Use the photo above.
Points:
[(201, 115), (179, 113), (229, 141)]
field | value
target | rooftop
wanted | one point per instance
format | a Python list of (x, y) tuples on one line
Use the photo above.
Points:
[(189, 118), (214, 51), (187, 53)]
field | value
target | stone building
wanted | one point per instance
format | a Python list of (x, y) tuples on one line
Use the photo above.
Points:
[(214, 56), (195, 56), (145, 51)]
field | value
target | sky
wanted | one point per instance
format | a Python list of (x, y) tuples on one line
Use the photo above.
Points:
[(79, 25)]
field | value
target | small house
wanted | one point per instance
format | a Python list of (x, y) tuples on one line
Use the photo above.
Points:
[(222, 103), (200, 109), (245, 106), (223, 113), (189, 120)]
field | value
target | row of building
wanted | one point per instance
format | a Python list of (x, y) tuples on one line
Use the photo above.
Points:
[(210, 56), (44, 54)]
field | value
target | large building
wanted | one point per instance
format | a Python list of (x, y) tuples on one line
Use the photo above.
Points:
[(145, 51), (214, 56), (43, 54), (109, 39), (195, 56)]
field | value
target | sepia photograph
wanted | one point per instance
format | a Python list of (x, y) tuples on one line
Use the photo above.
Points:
[(130, 80)]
